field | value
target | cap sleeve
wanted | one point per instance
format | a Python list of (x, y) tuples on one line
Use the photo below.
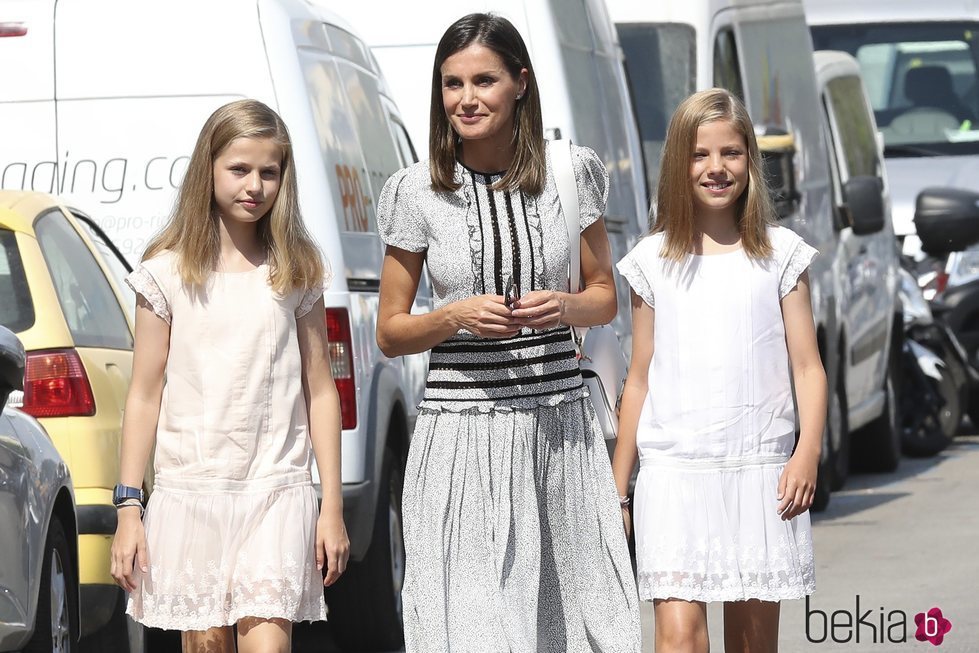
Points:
[(636, 270), (591, 178), (795, 260), (314, 292), (149, 280), (399, 222)]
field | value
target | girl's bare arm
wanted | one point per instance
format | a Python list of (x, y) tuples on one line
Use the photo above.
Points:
[(323, 408), (799, 480)]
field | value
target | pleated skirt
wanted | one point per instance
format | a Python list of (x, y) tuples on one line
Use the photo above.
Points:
[(513, 534)]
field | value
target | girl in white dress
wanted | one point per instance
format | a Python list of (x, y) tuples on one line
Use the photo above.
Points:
[(231, 379), (722, 326)]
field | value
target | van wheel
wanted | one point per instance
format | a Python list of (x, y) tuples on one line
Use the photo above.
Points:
[(55, 623), (365, 604), (877, 448)]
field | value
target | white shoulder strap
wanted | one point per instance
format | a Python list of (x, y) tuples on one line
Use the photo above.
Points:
[(567, 191)]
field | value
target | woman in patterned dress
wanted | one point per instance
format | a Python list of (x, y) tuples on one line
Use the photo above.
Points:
[(513, 538)]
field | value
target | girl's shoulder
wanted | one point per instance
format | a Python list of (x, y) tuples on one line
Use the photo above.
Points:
[(162, 265), (783, 241)]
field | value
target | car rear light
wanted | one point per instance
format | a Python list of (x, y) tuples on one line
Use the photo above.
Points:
[(13, 29), (56, 385), (342, 364)]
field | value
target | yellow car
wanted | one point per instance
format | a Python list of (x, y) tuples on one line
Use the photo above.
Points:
[(61, 293)]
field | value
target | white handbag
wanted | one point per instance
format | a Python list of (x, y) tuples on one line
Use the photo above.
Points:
[(603, 366)]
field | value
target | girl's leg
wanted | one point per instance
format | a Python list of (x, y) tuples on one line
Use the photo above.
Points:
[(751, 626), (681, 626), (213, 640), (257, 635)]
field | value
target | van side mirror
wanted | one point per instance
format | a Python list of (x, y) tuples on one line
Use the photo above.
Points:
[(864, 197), (946, 219), (778, 164), (12, 358)]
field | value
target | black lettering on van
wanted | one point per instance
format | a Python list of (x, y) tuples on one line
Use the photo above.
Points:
[(74, 173), (51, 181), (121, 183), (146, 175), (23, 176)]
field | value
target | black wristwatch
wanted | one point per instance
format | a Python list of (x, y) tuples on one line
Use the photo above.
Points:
[(122, 493)]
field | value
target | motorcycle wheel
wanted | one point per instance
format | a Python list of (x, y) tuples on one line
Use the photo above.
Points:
[(922, 432)]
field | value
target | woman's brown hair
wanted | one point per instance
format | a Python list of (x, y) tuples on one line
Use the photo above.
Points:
[(529, 168), (674, 197), (192, 232)]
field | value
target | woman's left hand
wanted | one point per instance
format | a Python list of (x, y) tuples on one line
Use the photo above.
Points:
[(540, 309), (797, 485), (332, 546)]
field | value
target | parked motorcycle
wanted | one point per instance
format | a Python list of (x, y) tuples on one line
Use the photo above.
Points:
[(930, 397)]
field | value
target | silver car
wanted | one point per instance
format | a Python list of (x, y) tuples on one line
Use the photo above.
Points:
[(38, 531)]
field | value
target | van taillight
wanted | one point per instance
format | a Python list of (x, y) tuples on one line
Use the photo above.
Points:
[(13, 29), (342, 364), (55, 385)]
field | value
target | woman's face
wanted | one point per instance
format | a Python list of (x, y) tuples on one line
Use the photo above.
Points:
[(247, 175), (479, 94)]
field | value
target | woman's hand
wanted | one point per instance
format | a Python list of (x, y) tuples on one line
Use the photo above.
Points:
[(797, 485), (332, 546), (128, 545), (486, 316), (540, 309), (627, 521)]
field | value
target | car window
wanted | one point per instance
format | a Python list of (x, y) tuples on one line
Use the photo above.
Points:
[(405, 147), (91, 309), (727, 69), (16, 306), (117, 268), (661, 62), (922, 80), (855, 137)]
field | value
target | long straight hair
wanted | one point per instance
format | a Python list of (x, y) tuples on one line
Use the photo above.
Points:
[(193, 233), (674, 197), (529, 168)]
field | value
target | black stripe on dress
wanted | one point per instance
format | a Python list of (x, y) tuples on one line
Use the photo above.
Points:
[(514, 243), (501, 365), (497, 243)]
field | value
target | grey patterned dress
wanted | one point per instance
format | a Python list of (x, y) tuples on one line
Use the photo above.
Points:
[(513, 533)]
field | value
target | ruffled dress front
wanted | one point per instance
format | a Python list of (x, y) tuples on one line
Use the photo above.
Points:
[(717, 427), (231, 522), (513, 533)]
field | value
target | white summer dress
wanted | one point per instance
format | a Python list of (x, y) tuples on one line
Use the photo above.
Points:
[(718, 426), (231, 523), (513, 533)]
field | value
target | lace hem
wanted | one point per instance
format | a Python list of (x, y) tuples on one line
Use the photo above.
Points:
[(242, 611), (630, 269), (650, 589), (143, 283), (800, 258)]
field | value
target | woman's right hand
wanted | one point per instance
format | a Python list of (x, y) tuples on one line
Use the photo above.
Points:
[(128, 545), (627, 521), (485, 316)]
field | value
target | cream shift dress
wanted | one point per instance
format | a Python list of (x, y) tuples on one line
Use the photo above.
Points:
[(718, 426), (230, 525)]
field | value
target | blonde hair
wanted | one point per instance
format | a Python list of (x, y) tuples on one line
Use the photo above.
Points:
[(675, 208), (528, 170), (192, 233)]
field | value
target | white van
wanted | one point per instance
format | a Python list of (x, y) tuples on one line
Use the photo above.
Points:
[(578, 63), (103, 107), (761, 50)]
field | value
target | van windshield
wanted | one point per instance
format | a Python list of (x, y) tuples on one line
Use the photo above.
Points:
[(922, 82), (660, 62)]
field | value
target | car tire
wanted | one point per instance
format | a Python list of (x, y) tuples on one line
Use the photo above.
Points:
[(836, 420), (365, 603), (56, 619), (877, 447)]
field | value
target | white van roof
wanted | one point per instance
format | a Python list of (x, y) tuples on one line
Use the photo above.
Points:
[(847, 12)]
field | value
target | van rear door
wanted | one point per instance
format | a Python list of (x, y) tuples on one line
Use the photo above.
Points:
[(29, 152)]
